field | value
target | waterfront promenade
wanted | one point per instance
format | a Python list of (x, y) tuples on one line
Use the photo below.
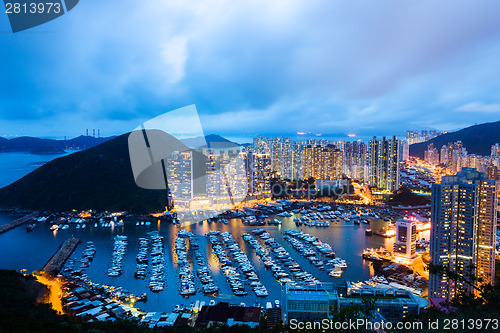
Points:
[(54, 265), (16, 223)]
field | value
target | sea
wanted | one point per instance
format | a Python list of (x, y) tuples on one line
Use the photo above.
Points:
[(29, 251), (14, 166)]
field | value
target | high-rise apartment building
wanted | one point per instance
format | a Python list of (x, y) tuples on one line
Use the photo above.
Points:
[(180, 177), (281, 157), (454, 150), (282, 153), (431, 155), (405, 150), (416, 137), (384, 163), (323, 162), (492, 172), (354, 159), (261, 146), (495, 150), (463, 213), (258, 168), (443, 159)]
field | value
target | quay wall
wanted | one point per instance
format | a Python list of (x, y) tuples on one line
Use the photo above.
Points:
[(54, 265), (16, 223)]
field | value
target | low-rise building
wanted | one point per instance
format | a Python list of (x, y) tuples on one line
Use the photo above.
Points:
[(319, 301), (225, 314)]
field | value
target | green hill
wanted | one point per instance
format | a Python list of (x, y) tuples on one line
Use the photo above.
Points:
[(406, 197), (477, 139), (98, 178)]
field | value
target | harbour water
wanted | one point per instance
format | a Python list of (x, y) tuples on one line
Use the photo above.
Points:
[(31, 250)]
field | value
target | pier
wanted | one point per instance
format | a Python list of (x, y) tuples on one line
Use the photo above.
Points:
[(17, 223), (54, 265)]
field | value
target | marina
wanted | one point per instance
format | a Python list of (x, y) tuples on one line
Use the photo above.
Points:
[(186, 278), (242, 266), (119, 248), (157, 275)]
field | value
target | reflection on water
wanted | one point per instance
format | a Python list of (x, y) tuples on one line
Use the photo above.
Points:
[(32, 250)]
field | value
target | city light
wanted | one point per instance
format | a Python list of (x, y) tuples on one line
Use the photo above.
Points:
[(55, 290)]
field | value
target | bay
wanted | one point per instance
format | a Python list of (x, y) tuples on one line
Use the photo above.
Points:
[(14, 166), (22, 250), (31, 250)]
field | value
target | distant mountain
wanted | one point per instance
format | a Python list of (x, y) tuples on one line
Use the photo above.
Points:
[(477, 139), (209, 141), (97, 178), (28, 144)]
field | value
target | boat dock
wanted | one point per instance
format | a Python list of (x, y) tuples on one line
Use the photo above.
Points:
[(17, 223), (54, 265)]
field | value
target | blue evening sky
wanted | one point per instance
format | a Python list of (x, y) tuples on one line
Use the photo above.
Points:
[(254, 67)]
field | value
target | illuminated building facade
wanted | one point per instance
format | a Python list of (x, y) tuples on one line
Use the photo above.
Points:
[(323, 162), (495, 150), (258, 168), (413, 136), (406, 238), (384, 168), (492, 172), (226, 177), (443, 159), (463, 215), (355, 160), (179, 175), (282, 157), (431, 155)]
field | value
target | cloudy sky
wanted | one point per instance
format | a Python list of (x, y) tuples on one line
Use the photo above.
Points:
[(255, 67)]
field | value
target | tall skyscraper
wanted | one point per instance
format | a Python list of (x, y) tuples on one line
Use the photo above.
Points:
[(405, 150), (354, 159), (297, 161), (384, 163), (258, 168), (180, 177), (349, 158), (463, 213), (282, 155)]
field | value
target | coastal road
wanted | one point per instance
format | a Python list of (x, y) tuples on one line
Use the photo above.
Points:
[(358, 190), (418, 267)]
